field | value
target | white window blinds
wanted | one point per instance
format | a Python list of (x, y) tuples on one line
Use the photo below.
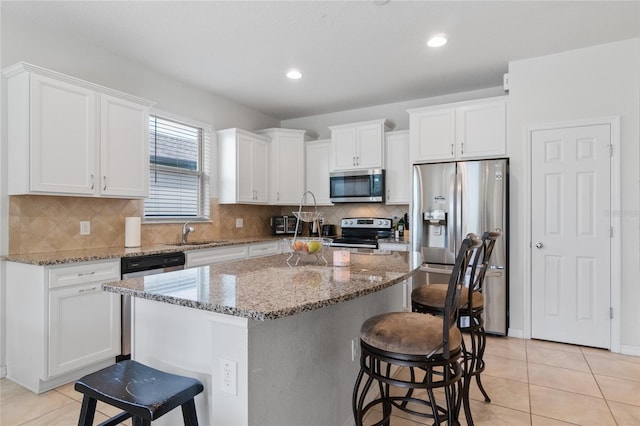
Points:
[(178, 180)]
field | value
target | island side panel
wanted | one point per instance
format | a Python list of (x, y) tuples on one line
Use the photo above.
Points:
[(191, 342), (300, 367)]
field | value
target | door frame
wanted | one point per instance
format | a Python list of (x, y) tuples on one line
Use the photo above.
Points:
[(616, 247)]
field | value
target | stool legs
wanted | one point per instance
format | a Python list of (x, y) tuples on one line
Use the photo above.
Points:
[(189, 413), (473, 361), (445, 376), (87, 411)]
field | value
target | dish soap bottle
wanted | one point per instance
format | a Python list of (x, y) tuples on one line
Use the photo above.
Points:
[(395, 228), (400, 228)]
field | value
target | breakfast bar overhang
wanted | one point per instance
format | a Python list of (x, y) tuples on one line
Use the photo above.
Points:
[(273, 344)]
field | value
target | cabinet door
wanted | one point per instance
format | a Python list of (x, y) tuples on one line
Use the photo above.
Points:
[(124, 148), (343, 142), (260, 177), (244, 161), (62, 137), (84, 327), (481, 129), (432, 135), (287, 169), (398, 169), (369, 146), (317, 169)]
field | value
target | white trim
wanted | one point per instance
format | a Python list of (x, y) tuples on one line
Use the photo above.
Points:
[(629, 350), (21, 67), (515, 332), (181, 119), (616, 243)]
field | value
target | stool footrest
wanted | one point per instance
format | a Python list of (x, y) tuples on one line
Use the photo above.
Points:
[(116, 420)]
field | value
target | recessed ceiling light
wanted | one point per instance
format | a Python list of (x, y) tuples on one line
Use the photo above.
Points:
[(294, 74), (437, 40)]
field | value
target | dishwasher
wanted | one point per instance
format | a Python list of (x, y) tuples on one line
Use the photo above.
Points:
[(139, 266)]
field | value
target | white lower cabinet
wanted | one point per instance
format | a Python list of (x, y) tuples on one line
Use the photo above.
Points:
[(215, 255), (204, 257), (60, 324), (265, 249)]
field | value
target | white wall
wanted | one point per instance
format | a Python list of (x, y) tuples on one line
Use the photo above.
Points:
[(396, 112), (22, 41), (595, 82), (600, 81)]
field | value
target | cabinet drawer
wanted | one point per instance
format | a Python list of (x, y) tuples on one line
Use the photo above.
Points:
[(83, 273), (216, 255), (264, 249)]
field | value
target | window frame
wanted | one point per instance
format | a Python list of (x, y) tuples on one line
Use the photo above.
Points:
[(204, 172)]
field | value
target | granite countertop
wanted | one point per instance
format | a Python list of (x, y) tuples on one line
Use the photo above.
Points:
[(268, 288), (92, 254)]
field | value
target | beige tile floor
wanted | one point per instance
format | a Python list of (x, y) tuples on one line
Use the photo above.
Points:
[(530, 382)]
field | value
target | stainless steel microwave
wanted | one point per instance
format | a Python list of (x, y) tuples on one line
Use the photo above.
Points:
[(357, 186)]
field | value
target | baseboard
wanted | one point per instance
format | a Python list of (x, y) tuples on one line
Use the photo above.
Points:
[(630, 350), (514, 332)]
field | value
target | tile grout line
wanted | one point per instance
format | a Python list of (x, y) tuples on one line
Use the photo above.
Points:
[(599, 387)]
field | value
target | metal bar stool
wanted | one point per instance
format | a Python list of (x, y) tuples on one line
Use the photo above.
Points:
[(429, 299), (415, 342), (144, 394)]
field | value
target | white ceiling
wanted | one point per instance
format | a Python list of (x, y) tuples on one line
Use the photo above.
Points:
[(352, 53)]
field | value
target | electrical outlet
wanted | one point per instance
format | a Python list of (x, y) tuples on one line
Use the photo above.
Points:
[(228, 376), (85, 227), (239, 222), (355, 349)]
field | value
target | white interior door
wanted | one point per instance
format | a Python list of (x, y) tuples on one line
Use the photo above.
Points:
[(571, 235)]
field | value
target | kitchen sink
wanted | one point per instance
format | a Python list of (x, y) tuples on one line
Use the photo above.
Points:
[(198, 243)]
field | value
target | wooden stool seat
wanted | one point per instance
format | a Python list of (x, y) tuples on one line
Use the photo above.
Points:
[(142, 392)]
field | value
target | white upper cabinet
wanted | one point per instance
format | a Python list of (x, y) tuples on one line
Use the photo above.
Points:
[(317, 159), (465, 130), (124, 161), (398, 168), (244, 167), (70, 137), (358, 145), (287, 182)]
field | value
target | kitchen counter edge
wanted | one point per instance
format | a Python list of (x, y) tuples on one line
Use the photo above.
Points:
[(93, 254)]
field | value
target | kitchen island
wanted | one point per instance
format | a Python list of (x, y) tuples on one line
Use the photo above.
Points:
[(273, 344)]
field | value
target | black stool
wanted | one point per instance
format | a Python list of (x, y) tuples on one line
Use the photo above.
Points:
[(144, 393)]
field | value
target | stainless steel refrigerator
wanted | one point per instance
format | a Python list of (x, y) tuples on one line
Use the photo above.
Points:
[(449, 201)]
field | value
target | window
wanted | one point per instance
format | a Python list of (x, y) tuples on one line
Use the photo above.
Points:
[(178, 171)]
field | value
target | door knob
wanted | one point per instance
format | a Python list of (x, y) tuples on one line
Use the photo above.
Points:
[(539, 244)]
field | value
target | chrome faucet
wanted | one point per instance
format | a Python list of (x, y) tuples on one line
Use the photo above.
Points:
[(186, 230)]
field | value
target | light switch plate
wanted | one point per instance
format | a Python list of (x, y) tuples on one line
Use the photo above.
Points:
[(239, 222)]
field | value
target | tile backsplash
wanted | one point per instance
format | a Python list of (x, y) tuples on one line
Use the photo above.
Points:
[(39, 223)]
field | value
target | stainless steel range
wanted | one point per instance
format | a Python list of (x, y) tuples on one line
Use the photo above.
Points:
[(363, 232)]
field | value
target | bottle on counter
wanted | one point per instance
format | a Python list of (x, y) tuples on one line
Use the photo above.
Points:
[(396, 231), (401, 228)]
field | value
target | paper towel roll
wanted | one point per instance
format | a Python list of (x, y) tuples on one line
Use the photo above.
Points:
[(132, 232)]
